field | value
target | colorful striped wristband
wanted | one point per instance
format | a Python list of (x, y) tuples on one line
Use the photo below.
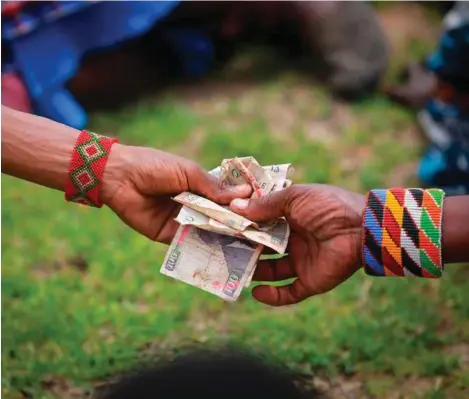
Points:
[(89, 157), (402, 233)]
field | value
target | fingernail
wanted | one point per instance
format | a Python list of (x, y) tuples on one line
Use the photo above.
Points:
[(240, 203)]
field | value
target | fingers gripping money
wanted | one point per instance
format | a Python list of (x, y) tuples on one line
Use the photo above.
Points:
[(217, 250)]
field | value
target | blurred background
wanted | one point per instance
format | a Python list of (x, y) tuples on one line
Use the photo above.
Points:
[(306, 83)]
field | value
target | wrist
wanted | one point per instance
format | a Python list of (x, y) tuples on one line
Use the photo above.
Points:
[(36, 149), (115, 173), (360, 231), (455, 229)]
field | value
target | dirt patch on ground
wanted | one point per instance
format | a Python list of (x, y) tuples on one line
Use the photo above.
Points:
[(62, 388), (404, 22), (461, 352), (192, 145), (402, 175)]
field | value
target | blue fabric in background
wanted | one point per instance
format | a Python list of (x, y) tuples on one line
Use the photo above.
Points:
[(48, 41), (446, 163)]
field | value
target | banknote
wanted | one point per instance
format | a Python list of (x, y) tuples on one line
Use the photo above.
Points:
[(247, 170), (275, 237), (216, 263), (280, 174), (214, 211), (216, 249)]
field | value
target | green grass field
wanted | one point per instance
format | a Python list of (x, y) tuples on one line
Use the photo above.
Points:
[(82, 296)]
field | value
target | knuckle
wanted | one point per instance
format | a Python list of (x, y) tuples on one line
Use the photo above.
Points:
[(193, 170), (262, 201), (196, 177), (290, 196), (182, 178)]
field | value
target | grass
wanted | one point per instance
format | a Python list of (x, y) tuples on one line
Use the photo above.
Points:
[(83, 297)]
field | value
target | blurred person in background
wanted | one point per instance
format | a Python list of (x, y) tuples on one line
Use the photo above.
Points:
[(440, 89), (61, 58), (342, 41), (215, 373)]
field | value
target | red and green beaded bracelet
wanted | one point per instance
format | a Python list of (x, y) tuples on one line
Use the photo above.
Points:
[(89, 158)]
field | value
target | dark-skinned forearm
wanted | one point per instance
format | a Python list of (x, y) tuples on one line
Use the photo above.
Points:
[(38, 150), (455, 241)]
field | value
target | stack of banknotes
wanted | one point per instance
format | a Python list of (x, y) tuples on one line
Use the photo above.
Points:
[(216, 249)]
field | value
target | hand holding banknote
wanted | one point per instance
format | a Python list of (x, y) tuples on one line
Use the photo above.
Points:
[(325, 244), (139, 183), (214, 248)]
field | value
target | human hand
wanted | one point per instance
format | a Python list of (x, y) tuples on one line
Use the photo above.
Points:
[(325, 243), (138, 183)]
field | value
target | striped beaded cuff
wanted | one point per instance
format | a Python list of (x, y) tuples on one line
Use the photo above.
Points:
[(89, 157), (402, 233)]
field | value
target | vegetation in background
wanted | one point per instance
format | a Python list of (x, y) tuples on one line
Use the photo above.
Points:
[(83, 297)]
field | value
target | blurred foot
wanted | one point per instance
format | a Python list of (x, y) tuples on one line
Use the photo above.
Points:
[(349, 40), (418, 86)]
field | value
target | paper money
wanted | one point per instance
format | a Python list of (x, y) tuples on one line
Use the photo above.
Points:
[(214, 262), (275, 237), (214, 211), (275, 240), (246, 170), (216, 249), (280, 175)]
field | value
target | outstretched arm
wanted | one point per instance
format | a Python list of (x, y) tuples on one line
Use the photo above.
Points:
[(36, 149), (326, 243), (137, 182)]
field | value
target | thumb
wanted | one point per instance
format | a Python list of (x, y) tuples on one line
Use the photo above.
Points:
[(203, 183), (263, 209)]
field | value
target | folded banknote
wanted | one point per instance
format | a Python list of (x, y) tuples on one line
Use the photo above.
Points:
[(216, 249)]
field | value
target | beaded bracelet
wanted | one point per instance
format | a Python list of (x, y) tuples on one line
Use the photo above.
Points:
[(402, 233), (89, 158)]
